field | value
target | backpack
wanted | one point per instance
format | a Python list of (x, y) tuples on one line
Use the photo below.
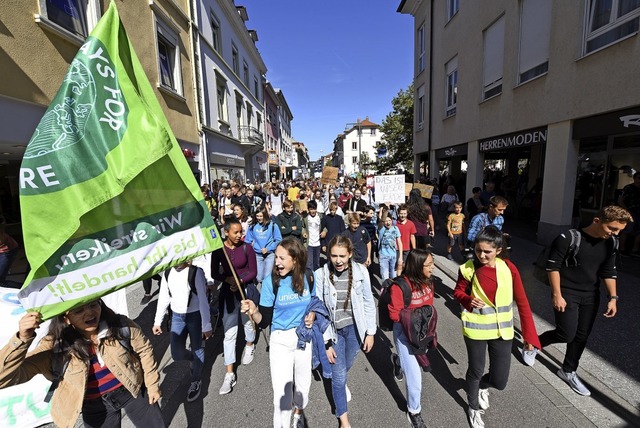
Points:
[(193, 270), (384, 321), (61, 357)]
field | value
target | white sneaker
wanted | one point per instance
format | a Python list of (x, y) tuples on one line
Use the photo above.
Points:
[(574, 382), (348, 393), (248, 354), (483, 398), (228, 383), (529, 357), (297, 421), (475, 418)]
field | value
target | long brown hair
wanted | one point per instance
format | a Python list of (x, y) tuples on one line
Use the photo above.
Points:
[(342, 241), (299, 255), (413, 270)]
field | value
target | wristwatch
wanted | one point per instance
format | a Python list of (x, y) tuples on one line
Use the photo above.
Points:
[(613, 297)]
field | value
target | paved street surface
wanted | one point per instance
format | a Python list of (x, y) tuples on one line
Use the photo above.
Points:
[(534, 397)]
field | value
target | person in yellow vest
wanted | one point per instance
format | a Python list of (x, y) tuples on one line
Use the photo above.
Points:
[(487, 288)]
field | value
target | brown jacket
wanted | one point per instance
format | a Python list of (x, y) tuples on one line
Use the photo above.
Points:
[(133, 371)]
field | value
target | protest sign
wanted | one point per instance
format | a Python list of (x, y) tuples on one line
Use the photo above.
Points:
[(329, 175), (104, 164), (407, 189), (425, 190), (389, 188)]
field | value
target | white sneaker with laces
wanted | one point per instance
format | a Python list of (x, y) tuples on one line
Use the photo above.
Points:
[(248, 354), (574, 382), (529, 357), (483, 398), (348, 393), (228, 383), (475, 418)]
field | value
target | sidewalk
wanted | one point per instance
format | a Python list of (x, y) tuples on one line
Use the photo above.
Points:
[(609, 365)]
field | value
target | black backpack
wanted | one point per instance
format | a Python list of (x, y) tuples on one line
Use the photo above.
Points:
[(61, 357), (193, 270), (384, 300)]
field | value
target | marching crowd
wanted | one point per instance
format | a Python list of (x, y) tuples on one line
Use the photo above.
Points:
[(297, 262)]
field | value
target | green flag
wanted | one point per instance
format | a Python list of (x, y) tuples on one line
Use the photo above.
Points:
[(107, 197)]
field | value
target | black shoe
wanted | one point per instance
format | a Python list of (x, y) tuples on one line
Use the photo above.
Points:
[(146, 299), (416, 420), (397, 369)]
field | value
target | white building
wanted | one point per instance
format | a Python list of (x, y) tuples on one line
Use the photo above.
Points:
[(356, 150)]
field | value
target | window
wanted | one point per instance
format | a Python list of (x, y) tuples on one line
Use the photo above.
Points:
[(354, 160), (249, 114), (451, 69), (493, 58), (256, 88), (610, 21), (71, 19), (420, 107), (373, 131), (234, 60), (245, 73), (421, 49), (535, 28), (168, 58), (259, 121), (452, 8), (221, 93), (215, 33), (354, 145)]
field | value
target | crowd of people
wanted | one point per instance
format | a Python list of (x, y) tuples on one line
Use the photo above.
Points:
[(297, 261)]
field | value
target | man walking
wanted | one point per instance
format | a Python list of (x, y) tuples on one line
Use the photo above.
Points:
[(575, 286)]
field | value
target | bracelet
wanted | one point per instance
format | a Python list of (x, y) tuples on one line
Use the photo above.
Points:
[(613, 298)]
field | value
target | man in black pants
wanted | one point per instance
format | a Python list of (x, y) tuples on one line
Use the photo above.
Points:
[(576, 289)]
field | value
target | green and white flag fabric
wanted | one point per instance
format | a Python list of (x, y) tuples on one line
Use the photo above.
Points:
[(107, 197)]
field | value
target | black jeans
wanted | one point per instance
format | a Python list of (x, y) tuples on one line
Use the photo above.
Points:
[(106, 410), (573, 327), (499, 366)]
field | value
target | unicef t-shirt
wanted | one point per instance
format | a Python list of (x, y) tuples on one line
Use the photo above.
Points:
[(289, 307)]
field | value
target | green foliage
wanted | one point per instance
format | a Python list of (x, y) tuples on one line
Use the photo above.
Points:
[(398, 134)]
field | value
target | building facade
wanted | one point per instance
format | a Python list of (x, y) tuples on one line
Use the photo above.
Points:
[(545, 89), (357, 148)]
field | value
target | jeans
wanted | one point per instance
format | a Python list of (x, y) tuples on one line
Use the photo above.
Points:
[(412, 371), (191, 324), (573, 327), (387, 266), (346, 348), (290, 375), (6, 260), (106, 410), (230, 323), (264, 265), (499, 365), (313, 258)]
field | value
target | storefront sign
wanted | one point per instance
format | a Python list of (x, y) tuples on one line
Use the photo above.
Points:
[(453, 151), (618, 122), (516, 140), (220, 159)]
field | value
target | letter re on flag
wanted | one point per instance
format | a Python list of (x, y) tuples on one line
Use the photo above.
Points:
[(107, 197)]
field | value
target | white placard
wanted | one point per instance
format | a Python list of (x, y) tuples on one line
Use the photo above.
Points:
[(389, 188)]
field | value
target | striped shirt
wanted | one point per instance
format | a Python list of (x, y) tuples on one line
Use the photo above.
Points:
[(344, 317), (100, 379)]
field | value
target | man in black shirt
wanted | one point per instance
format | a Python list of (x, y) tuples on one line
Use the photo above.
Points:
[(575, 287)]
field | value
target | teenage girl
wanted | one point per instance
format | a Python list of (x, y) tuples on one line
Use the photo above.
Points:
[(284, 298), (486, 289), (263, 236), (345, 289)]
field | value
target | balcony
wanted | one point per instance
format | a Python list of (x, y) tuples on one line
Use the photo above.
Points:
[(251, 139)]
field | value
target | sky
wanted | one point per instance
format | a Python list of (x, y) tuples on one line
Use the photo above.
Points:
[(335, 61)]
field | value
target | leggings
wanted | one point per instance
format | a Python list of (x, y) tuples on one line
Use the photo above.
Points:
[(499, 365)]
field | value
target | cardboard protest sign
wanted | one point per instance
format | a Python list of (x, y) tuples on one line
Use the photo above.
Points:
[(390, 188), (425, 190), (329, 175), (407, 189), (106, 195)]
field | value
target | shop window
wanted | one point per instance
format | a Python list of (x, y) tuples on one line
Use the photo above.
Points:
[(609, 21), (535, 30), (493, 58)]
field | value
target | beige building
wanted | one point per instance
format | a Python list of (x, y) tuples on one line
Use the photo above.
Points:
[(37, 44), (547, 91)]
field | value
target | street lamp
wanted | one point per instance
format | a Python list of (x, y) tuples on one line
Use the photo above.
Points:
[(358, 124)]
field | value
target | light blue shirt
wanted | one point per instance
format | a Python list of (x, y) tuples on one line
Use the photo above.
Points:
[(259, 237), (289, 307), (387, 240)]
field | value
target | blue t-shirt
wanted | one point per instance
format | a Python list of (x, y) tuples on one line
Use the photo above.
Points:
[(289, 308), (387, 241)]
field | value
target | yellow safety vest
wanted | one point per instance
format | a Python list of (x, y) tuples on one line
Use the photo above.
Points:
[(493, 321)]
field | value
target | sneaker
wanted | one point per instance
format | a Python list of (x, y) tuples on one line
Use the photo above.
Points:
[(298, 420), (529, 357), (449, 257), (475, 418), (146, 299), (228, 384), (397, 368), (348, 393), (194, 390), (248, 354), (483, 399), (574, 382), (416, 420)]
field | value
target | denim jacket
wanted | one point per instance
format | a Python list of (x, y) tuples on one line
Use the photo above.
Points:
[(362, 304)]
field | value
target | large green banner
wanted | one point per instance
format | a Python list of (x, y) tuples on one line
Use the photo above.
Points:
[(107, 197)]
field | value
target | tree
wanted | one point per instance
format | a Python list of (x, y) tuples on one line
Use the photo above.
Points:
[(398, 134)]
